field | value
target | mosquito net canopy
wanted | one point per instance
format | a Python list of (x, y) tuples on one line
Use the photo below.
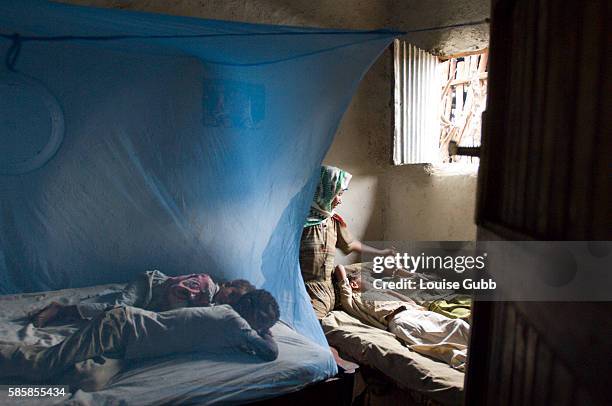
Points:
[(133, 141)]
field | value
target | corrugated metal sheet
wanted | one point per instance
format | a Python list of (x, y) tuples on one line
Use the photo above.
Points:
[(417, 101)]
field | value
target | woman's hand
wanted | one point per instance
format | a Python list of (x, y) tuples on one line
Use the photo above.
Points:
[(391, 251)]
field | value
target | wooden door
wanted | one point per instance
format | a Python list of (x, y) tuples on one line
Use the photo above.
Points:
[(545, 174)]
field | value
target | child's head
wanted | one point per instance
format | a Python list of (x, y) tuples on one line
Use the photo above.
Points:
[(259, 308), (230, 292), (354, 278)]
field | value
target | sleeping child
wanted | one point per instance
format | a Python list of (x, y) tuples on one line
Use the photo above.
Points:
[(151, 290), (132, 333), (423, 331)]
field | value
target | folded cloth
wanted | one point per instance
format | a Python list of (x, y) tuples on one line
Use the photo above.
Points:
[(459, 307)]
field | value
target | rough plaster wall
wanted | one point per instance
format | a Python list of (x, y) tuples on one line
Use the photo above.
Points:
[(428, 207), (435, 13), (384, 202), (321, 13), (353, 14)]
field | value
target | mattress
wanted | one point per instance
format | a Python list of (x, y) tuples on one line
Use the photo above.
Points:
[(232, 378), (381, 350)]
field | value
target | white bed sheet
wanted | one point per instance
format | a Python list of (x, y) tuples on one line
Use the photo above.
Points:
[(234, 378)]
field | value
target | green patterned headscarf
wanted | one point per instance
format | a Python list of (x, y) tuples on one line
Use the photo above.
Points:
[(331, 183)]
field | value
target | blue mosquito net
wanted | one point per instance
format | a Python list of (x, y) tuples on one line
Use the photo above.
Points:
[(133, 141)]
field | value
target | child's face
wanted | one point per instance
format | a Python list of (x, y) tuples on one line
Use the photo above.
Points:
[(228, 295), (257, 320), (337, 200)]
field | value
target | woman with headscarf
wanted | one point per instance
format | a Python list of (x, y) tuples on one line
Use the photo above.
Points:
[(324, 231)]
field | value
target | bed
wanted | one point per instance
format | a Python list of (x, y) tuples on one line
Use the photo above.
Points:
[(234, 378), (415, 374)]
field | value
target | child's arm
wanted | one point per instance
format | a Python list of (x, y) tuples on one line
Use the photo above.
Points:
[(346, 293), (264, 345), (54, 312)]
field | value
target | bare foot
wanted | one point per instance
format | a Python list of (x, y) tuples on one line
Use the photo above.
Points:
[(48, 314)]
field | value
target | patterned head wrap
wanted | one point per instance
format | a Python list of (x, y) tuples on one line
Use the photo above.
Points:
[(331, 183), (189, 290)]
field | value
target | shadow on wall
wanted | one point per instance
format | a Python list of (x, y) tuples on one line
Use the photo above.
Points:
[(362, 208), (425, 207), (359, 148)]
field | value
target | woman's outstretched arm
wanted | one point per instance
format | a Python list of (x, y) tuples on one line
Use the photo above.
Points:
[(358, 246)]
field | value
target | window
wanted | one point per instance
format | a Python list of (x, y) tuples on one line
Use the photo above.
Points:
[(436, 101)]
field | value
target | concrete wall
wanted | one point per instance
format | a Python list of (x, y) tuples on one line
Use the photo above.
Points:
[(384, 202)]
